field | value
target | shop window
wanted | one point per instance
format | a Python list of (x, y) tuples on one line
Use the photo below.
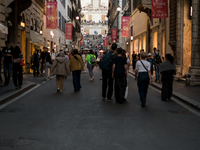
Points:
[(163, 43), (144, 43), (140, 44), (155, 39), (136, 46)]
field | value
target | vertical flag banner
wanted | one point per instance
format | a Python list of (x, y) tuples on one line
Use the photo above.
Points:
[(82, 41), (105, 42), (159, 8), (51, 12), (69, 29), (126, 26), (114, 35)]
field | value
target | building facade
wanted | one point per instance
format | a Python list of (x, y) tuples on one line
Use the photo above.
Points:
[(94, 21)]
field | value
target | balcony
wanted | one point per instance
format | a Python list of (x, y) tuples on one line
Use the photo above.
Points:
[(142, 5)]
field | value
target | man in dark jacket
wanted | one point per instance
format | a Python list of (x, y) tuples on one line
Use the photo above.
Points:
[(107, 75), (8, 59)]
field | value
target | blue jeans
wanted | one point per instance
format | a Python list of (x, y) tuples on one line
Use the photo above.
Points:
[(157, 70), (90, 68), (76, 79), (7, 72), (143, 83)]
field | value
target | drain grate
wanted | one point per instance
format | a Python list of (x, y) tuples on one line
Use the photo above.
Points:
[(18, 142), (179, 112)]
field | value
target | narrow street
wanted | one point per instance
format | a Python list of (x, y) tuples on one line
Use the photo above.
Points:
[(46, 120)]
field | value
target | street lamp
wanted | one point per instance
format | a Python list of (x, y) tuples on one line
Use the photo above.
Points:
[(131, 38), (126, 43), (119, 8)]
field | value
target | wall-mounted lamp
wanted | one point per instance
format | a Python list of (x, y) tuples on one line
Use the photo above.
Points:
[(131, 38), (126, 43), (119, 8), (22, 24), (41, 32), (77, 17)]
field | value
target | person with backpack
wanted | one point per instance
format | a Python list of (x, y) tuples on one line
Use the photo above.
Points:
[(106, 66), (119, 72), (91, 62), (143, 77), (157, 63)]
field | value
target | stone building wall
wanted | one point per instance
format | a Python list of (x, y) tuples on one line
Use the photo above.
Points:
[(2, 21)]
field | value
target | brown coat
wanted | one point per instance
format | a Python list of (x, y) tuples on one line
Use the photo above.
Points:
[(76, 64), (60, 66)]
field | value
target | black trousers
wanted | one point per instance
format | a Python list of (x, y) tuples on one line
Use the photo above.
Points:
[(107, 84), (120, 88), (36, 68), (167, 86), (17, 74)]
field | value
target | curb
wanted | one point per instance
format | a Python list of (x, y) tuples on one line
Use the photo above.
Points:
[(12, 96), (178, 96)]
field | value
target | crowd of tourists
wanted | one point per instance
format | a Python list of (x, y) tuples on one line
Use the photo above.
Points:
[(114, 65)]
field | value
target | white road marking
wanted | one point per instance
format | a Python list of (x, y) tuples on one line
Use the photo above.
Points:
[(18, 97)]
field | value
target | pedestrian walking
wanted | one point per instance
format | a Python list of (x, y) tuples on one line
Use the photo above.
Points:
[(76, 65), (48, 63), (157, 63), (150, 60), (1, 56), (53, 55), (84, 61), (42, 60), (134, 59), (35, 61), (143, 77), (91, 62), (8, 59), (119, 72), (60, 68), (106, 66), (167, 70), (17, 67)]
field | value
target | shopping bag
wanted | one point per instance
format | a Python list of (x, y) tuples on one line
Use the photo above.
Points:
[(22, 62)]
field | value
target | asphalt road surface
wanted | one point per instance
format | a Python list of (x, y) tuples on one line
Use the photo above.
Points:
[(46, 120)]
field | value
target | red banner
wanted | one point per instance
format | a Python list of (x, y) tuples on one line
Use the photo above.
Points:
[(126, 31), (51, 13), (159, 8), (114, 35), (105, 42), (69, 29), (82, 41)]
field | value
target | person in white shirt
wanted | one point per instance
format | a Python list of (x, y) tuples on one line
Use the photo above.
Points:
[(53, 55), (143, 77)]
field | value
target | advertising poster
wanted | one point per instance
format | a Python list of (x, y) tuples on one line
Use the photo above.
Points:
[(159, 8), (126, 31), (51, 13)]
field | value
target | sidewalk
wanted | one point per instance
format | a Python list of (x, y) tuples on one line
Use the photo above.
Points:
[(186, 94), (9, 92)]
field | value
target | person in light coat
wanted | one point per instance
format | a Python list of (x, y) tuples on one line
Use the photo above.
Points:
[(60, 68)]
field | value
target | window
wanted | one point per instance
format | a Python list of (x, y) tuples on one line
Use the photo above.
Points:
[(60, 19)]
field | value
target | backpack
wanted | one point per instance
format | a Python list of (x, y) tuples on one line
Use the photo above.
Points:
[(92, 59), (106, 62), (158, 59)]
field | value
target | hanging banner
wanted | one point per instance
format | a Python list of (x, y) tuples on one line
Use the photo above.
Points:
[(126, 30), (82, 41), (114, 35), (69, 29), (51, 13), (159, 8), (105, 42)]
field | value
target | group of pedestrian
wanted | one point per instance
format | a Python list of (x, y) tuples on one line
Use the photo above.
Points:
[(12, 58)]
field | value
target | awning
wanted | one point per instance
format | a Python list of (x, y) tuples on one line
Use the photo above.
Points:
[(36, 38), (3, 29)]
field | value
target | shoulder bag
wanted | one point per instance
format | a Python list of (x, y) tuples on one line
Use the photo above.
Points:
[(144, 65)]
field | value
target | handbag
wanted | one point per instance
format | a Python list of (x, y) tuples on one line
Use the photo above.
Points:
[(22, 62)]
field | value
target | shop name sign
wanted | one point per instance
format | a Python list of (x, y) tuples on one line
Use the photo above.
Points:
[(51, 19), (159, 8)]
